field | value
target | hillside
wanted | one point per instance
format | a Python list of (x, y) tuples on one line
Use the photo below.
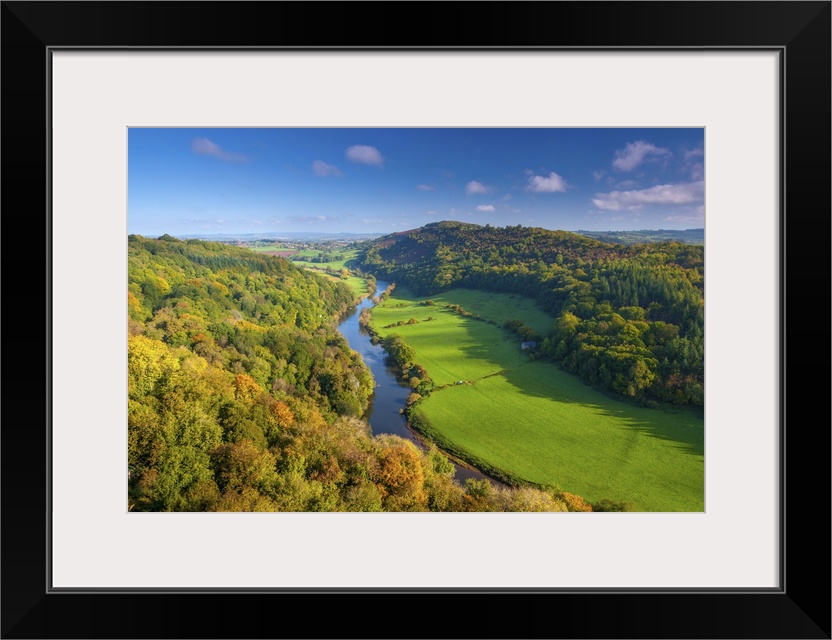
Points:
[(243, 396), (629, 319)]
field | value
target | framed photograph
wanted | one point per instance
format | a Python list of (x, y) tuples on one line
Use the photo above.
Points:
[(455, 403), (85, 81)]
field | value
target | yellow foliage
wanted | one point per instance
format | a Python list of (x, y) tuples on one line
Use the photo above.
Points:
[(246, 499), (242, 464), (134, 307), (194, 365), (530, 499), (162, 285), (282, 414), (220, 287), (400, 476), (574, 503), (246, 388), (245, 325), (148, 361)]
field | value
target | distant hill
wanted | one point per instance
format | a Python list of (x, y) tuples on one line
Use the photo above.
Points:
[(688, 236), (296, 236)]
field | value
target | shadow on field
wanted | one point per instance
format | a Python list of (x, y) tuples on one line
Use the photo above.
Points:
[(546, 380)]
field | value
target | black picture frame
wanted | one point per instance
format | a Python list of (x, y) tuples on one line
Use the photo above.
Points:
[(800, 608)]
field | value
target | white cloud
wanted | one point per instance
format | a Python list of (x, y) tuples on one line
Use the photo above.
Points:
[(485, 207), (683, 193), (606, 205), (598, 174), (204, 147), (546, 184), (431, 213), (635, 153), (694, 153), (425, 187), (365, 155), (476, 187), (506, 198), (323, 169)]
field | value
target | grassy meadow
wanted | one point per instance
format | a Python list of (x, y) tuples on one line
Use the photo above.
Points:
[(331, 269), (345, 259), (268, 248), (533, 422), (358, 285)]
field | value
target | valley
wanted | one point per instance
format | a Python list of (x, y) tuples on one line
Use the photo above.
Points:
[(524, 420)]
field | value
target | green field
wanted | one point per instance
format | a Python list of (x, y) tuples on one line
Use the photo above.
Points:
[(358, 285), (331, 269), (306, 253), (533, 422), (346, 259), (270, 247)]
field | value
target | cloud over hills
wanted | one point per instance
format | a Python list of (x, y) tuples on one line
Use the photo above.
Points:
[(684, 193)]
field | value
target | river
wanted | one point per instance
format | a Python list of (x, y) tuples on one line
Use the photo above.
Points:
[(384, 411)]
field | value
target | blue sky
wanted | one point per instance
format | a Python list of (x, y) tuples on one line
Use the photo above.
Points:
[(210, 181)]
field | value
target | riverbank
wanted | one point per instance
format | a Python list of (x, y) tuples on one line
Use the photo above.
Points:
[(495, 405), (385, 412)]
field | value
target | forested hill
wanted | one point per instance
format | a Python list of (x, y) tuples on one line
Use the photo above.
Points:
[(216, 278), (228, 352), (628, 318), (243, 396)]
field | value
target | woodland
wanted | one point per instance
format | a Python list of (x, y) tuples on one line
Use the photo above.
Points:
[(626, 318), (243, 396)]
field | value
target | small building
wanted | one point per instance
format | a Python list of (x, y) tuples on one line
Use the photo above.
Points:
[(528, 345)]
